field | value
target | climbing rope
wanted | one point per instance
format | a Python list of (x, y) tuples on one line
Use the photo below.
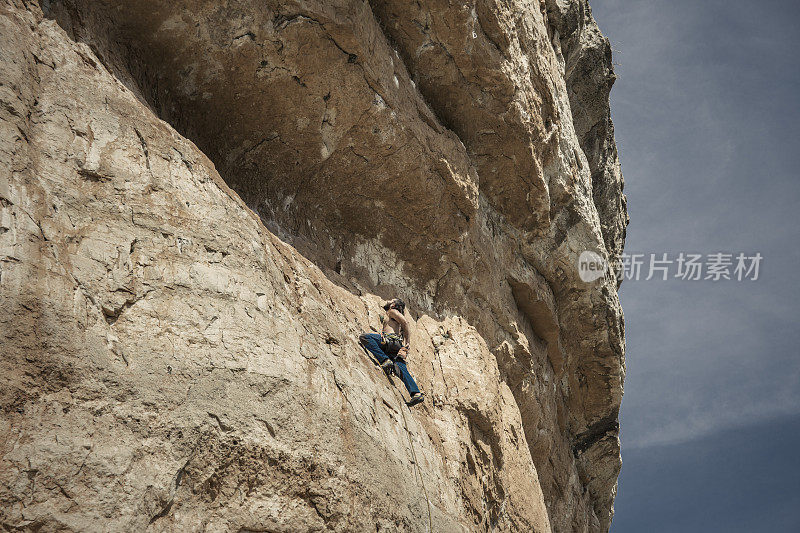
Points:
[(414, 456), (410, 442)]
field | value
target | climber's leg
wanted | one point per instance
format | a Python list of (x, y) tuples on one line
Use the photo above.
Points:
[(372, 342), (408, 381)]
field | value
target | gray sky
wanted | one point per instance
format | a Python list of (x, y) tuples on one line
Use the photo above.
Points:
[(707, 117)]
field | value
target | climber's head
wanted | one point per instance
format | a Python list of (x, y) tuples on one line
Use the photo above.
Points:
[(395, 303)]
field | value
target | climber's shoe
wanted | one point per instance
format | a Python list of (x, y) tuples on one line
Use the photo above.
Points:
[(415, 399), (388, 367)]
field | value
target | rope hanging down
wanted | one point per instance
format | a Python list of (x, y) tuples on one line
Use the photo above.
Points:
[(410, 441), (414, 456)]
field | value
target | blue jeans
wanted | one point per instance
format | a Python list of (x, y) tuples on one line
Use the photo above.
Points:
[(372, 342)]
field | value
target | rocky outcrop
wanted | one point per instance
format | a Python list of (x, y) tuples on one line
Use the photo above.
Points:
[(202, 205)]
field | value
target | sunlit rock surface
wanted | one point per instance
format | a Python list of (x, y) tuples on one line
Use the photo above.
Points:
[(202, 204)]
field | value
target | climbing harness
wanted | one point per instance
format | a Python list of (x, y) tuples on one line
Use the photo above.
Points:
[(391, 343)]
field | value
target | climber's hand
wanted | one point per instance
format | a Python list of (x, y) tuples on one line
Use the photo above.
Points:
[(403, 352)]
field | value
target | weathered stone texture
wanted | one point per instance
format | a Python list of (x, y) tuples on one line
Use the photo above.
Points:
[(203, 203)]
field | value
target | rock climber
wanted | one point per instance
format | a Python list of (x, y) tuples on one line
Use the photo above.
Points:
[(390, 346)]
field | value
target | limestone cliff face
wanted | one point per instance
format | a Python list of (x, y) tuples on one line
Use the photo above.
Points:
[(203, 203)]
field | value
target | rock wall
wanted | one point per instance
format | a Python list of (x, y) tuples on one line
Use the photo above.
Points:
[(203, 203)]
